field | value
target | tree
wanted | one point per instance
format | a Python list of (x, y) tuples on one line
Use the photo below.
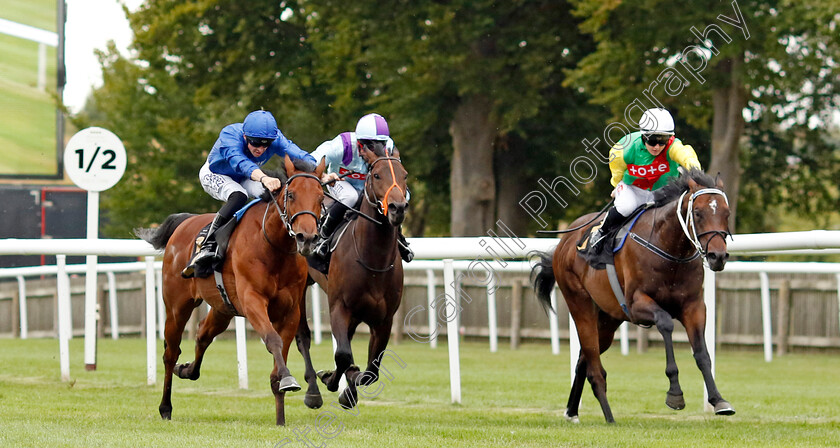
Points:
[(764, 65), (465, 75), (198, 67)]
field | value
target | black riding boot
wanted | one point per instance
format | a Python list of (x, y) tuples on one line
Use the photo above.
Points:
[(402, 244), (207, 253), (334, 217), (613, 219)]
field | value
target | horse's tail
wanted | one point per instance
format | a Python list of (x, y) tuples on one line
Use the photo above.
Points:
[(158, 237), (542, 276)]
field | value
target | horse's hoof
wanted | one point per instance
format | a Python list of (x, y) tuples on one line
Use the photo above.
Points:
[(184, 371), (675, 402), (323, 375), (289, 384), (724, 408), (348, 398), (165, 413), (313, 401), (571, 418)]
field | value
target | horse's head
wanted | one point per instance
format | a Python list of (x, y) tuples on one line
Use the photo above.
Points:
[(707, 221), (385, 184), (301, 200)]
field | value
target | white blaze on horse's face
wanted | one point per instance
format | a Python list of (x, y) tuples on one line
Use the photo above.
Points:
[(713, 206)]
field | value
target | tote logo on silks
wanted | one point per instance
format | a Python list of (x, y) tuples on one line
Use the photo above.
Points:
[(648, 171), (357, 176)]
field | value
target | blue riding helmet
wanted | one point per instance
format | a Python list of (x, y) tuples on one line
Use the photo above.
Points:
[(260, 124)]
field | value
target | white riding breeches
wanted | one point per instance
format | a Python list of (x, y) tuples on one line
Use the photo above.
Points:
[(220, 187), (629, 198), (345, 192)]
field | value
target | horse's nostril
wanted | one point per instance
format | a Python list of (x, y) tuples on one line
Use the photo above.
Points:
[(726, 257)]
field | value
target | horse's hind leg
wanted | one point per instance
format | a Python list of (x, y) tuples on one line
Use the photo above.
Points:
[(303, 337), (212, 325), (694, 321), (573, 405), (176, 319)]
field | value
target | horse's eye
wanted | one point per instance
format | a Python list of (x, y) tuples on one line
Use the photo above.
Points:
[(290, 196), (376, 176)]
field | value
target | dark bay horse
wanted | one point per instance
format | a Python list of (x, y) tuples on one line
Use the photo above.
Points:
[(364, 282), (690, 219), (264, 276)]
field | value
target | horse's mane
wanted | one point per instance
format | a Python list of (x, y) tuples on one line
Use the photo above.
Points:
[(300, 164), (677, 185)]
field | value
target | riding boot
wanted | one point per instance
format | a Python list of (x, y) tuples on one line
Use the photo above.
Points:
[(402, 244), (613, 219), (331, 221), (207, 252)]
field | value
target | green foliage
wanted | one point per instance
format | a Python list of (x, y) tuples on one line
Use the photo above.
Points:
[(789, 72)]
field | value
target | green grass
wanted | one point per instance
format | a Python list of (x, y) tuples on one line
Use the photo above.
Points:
[(27, 115), (510, 398)]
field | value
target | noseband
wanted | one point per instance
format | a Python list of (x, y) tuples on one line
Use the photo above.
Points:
[(287, 221), (382, 205), (688, 220)]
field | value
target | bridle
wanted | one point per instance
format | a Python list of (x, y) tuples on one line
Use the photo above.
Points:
[(288, 221), (688, 221), (382, 205)]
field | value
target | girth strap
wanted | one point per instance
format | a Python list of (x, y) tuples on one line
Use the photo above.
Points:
[(221, 287), (616, 287)]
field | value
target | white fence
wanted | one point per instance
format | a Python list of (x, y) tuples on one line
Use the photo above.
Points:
[(44, 38), (444, 250)]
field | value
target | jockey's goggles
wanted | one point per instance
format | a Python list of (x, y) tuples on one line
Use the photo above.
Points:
[(656, 139), (257, 142)]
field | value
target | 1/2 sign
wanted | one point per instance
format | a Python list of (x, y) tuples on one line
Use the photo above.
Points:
[(95, 159)]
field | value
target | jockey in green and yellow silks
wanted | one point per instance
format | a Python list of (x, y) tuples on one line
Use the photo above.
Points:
[(641, 162)]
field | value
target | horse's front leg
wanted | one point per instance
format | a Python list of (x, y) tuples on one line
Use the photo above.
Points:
[(281, 380), (303, 337), (694, 321), (645, 309), (340, 324)]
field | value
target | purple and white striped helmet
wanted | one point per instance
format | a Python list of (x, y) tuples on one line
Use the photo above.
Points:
[(372, 127)]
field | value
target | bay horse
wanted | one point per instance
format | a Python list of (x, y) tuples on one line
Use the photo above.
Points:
[(364, 282), (661, 276), (264, 276)]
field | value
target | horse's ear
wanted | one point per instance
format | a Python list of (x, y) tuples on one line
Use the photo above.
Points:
[(319, 170), (290, 167), (395, 152), (693, 186), (718, 181)]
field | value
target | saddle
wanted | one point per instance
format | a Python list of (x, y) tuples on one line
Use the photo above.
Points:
[(322, 264), (613, 241), (223, 235)]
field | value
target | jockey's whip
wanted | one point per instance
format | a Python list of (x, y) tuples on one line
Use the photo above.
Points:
[(553, 232)]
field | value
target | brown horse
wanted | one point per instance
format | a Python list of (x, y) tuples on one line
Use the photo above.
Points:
[(661, 276), (264, 276), (364, 282)]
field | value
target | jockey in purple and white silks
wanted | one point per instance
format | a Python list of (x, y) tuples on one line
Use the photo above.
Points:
[(641, 162), (232, 172), (346, 172)]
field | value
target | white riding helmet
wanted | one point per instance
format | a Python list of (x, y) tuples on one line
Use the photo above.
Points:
[(656, 121), (372, 127)]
